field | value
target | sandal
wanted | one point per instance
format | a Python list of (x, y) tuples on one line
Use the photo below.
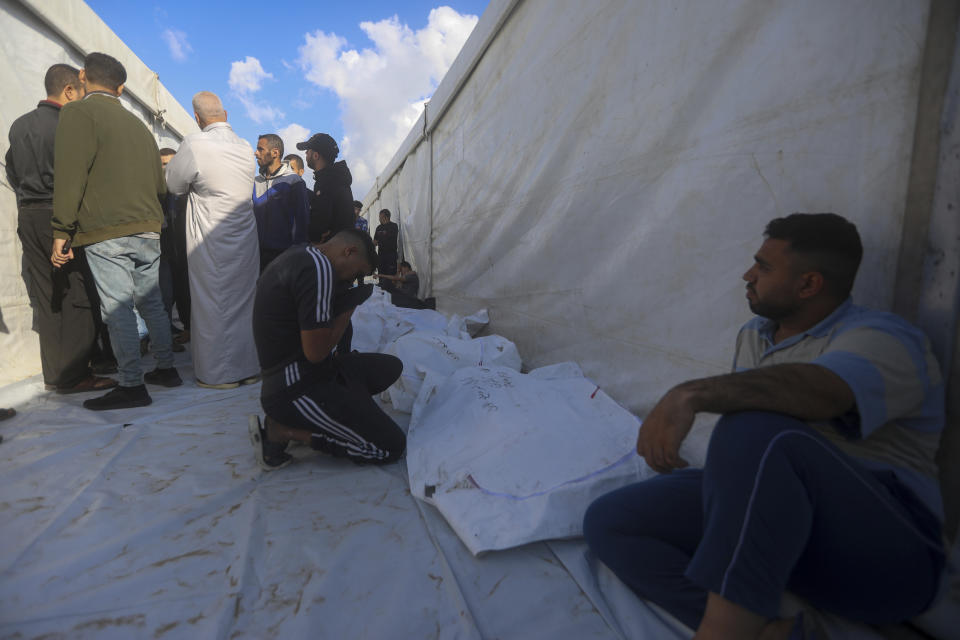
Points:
[(90, 383)]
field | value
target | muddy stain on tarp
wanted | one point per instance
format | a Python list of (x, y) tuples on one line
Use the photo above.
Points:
[(162, 630), (137, 620), (496, 586), (190, 554)]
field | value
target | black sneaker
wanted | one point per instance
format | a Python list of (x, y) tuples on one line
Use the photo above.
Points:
[(270, 455), (120, 398), (164, 377)]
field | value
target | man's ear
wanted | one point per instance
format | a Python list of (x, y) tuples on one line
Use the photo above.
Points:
[(120, 90), (811, 284), (83, 76)]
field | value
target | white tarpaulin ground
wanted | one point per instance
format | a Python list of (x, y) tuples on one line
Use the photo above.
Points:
[(157, 523)]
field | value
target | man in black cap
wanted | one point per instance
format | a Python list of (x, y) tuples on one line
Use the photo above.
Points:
[(331, 206)]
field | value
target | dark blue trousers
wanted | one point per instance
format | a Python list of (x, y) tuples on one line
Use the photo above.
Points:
[(776, 508)]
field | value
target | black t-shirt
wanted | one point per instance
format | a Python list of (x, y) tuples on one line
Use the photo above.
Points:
[(410, 284), (295, 293), (386, 237)]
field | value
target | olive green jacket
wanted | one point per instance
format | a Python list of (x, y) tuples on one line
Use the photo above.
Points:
[(108, 179)]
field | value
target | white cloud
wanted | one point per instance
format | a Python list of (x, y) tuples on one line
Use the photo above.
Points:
[(177, 43), (382, 89), (291, 135), (247, 76), (246, 79), (259, 112)]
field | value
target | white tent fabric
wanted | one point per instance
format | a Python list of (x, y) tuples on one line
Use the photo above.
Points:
[(37, 34), (603, 196)]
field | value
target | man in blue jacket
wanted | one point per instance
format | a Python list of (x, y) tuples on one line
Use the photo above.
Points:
[(280, 201)]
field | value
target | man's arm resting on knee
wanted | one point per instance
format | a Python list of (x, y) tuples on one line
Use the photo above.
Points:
[(804, 391), (318, 343)]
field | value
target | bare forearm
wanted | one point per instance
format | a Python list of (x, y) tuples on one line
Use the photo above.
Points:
[(805, 391), (318, 343)]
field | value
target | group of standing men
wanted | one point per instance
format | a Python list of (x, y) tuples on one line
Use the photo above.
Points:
[(101, 230)]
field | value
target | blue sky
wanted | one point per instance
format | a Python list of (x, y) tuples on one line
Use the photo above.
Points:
[(357, 70)]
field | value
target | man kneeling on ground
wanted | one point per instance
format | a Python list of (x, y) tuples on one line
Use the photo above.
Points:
[(310, 393), (820, 476)]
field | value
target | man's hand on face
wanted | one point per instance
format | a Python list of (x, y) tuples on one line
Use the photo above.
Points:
[(57, 257), (664, 429)]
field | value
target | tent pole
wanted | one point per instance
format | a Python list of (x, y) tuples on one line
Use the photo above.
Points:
[(934, 73), (927, 279), (430, 206)]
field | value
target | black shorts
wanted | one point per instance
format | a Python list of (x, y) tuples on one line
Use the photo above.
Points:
[(334, 401)]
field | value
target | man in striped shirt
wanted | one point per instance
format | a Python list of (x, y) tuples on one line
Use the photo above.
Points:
[(311, 392), (820, 477)]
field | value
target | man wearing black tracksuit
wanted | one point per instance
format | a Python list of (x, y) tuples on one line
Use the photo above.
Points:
[(312, 393)]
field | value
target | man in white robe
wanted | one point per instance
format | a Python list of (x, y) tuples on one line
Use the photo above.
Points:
[(215, 167)]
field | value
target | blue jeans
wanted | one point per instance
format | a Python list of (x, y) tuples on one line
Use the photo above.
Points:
[(776, 508), (126, 272)]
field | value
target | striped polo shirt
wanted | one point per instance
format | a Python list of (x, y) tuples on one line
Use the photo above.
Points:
[(889, 366)]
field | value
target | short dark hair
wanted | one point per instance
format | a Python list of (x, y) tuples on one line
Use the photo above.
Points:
[(273, 141), (825, 242), (58, 77), (105, 71), (404, 263), (385, 212), (357, 204), (294, 158), (167, 151), (363, 240)]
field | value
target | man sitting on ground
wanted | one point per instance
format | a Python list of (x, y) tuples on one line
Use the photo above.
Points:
[(310, 393), (820, 476), (405, 294)]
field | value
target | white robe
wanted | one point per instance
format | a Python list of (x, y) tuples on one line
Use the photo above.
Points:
[(216, 168)]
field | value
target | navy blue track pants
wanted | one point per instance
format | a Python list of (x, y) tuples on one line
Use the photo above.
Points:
[(776, 508)]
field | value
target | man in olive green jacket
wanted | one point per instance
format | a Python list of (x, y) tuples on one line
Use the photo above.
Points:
[(106, 198)]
